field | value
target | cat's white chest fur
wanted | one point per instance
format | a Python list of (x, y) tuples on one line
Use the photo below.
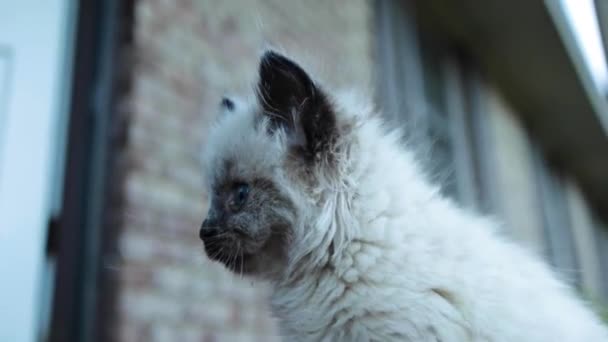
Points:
[(442, 277)]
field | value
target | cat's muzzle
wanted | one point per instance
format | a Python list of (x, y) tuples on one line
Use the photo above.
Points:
[(221, 245)]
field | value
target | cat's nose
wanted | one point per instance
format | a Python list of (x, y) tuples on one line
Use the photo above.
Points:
[(207, 233)]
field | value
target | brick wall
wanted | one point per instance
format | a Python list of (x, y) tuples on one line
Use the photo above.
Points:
[(187, 53)]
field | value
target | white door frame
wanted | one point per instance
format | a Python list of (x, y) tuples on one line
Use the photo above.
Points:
[(36, 36)]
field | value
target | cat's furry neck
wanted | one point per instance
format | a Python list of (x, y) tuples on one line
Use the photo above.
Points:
[(418, 267), (380, 180)]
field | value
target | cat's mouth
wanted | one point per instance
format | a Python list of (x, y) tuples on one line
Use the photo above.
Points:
[(229, 252)]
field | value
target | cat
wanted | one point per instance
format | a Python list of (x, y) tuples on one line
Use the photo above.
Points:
[(311, 192)]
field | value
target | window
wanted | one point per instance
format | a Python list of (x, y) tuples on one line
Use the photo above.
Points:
[(423, 89), (429, 86)]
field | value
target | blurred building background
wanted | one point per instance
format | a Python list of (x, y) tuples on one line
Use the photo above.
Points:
[(103, 112)]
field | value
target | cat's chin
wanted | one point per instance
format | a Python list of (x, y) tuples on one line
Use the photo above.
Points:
[(235, 261), (255, 266)]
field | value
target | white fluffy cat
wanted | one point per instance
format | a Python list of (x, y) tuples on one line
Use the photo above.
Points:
[(311, 193)]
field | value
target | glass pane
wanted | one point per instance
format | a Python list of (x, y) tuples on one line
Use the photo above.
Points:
[(433, 78), (601, 233), (442, 145), (558, 230), (442, 166)]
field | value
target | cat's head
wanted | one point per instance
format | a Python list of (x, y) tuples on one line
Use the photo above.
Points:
[(270, 167)]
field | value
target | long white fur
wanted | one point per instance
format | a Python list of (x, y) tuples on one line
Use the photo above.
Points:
[(407, 264)]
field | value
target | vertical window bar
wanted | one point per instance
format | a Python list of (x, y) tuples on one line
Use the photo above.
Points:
[(556, 220), (601, 233), (387, 79), (456, 112), (482, 144), (408, 97)]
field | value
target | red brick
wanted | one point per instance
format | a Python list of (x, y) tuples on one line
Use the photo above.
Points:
[(188, 54)]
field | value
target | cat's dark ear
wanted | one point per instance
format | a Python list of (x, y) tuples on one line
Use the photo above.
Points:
[(291, 100)]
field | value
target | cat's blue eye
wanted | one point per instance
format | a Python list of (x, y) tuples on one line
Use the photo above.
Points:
[(241, 192)]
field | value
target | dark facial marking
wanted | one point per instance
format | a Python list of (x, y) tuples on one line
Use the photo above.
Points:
[(248, 227), (239, 196)]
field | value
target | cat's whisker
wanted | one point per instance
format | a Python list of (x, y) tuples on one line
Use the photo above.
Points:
[(242, 261)]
